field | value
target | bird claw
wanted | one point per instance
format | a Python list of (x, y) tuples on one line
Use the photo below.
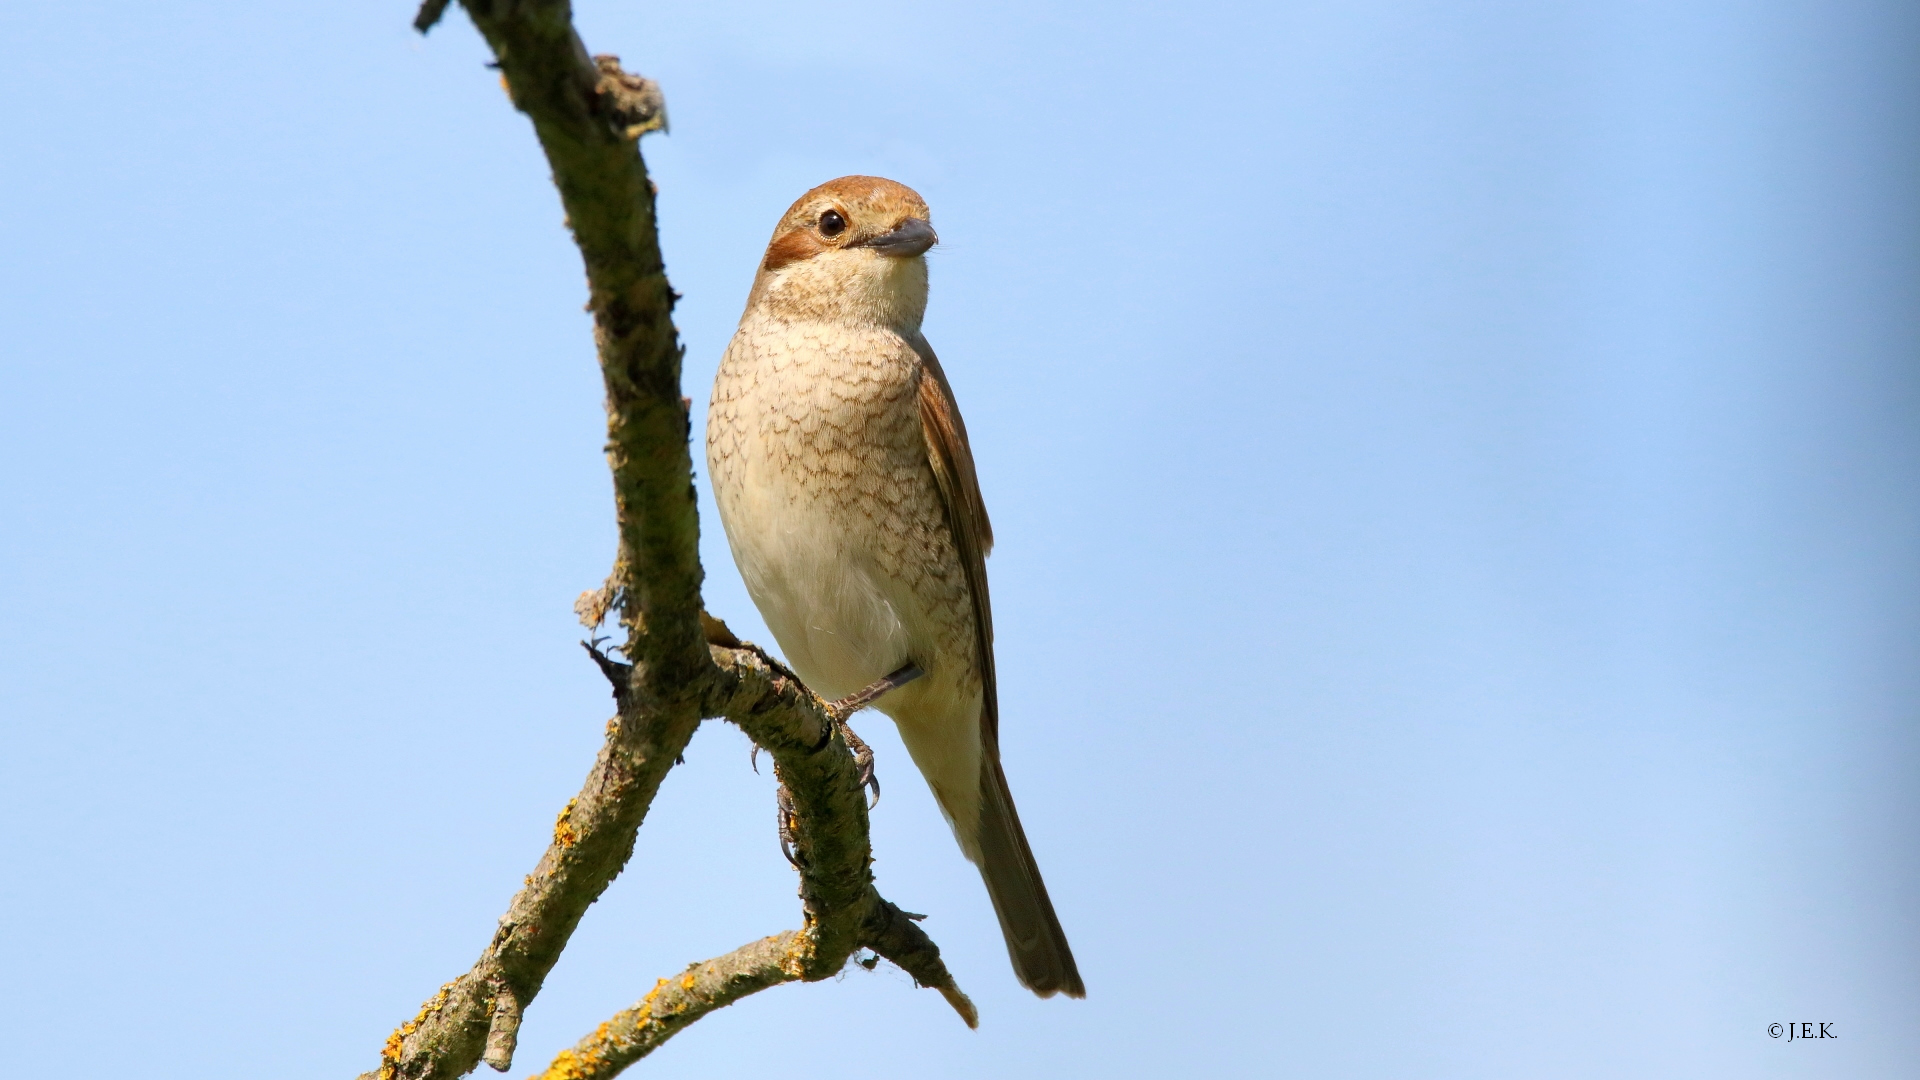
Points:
[(789, 839), (838, 711), (789, 821), (862, 760)]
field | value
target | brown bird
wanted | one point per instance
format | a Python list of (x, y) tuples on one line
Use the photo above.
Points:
[(848, 493)]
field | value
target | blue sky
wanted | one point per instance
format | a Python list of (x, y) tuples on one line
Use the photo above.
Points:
[(1455, 469)]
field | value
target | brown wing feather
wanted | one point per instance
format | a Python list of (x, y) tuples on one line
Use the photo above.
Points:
[(952, 461), (1035, 942)]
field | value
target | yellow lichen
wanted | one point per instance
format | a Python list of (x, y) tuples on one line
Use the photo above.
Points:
[(568, 1065), (793, 959), (564, 833), (643, 1012), (397, 1042)]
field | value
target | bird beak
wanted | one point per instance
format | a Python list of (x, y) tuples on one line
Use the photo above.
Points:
[(909, 238)]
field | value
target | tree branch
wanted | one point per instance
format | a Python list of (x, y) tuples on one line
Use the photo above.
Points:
[(842, 912), (897, 936), (588, 114), (675, 1003), (584, 114), (592, 840), (429, 14)]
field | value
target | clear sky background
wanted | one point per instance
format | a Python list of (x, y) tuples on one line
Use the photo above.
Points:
[(1456, 469)]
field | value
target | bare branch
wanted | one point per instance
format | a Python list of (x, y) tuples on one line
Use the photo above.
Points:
[(844, 911), (429, 14), (504, 1030), (897, 936), (477, 1016), (583, 112), (675, 1003), (592, 839)]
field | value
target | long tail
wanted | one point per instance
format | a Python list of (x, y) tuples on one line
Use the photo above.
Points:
[(1041, 958)]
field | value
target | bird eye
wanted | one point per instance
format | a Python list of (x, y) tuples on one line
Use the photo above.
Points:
[(832, 224)]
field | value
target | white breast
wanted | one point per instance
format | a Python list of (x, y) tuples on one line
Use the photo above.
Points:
[(805, 418)]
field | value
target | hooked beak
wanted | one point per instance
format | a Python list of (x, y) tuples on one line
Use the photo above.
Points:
[(909, 238)]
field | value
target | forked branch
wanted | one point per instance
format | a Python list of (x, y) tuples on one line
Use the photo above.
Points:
[(841, 910), (588, 115)]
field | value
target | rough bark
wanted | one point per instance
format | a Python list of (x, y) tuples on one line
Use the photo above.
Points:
[(683, 666)]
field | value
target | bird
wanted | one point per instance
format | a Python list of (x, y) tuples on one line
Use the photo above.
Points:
[(846, 485)]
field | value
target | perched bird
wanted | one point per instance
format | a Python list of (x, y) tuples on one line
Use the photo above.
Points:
[(848, 493)]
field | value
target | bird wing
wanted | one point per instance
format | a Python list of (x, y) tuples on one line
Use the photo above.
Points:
[(952, 461), (1035, 942)]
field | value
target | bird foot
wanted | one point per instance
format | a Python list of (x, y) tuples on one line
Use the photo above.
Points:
[(862, 759), (789, 840), (838, 711)]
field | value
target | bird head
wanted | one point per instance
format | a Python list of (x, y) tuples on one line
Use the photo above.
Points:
[(850, 250)]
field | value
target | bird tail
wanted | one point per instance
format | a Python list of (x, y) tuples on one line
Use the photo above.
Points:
[(1041, 958)]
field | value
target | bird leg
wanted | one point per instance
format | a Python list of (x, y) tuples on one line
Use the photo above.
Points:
[(838, 711), (854, 702)]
